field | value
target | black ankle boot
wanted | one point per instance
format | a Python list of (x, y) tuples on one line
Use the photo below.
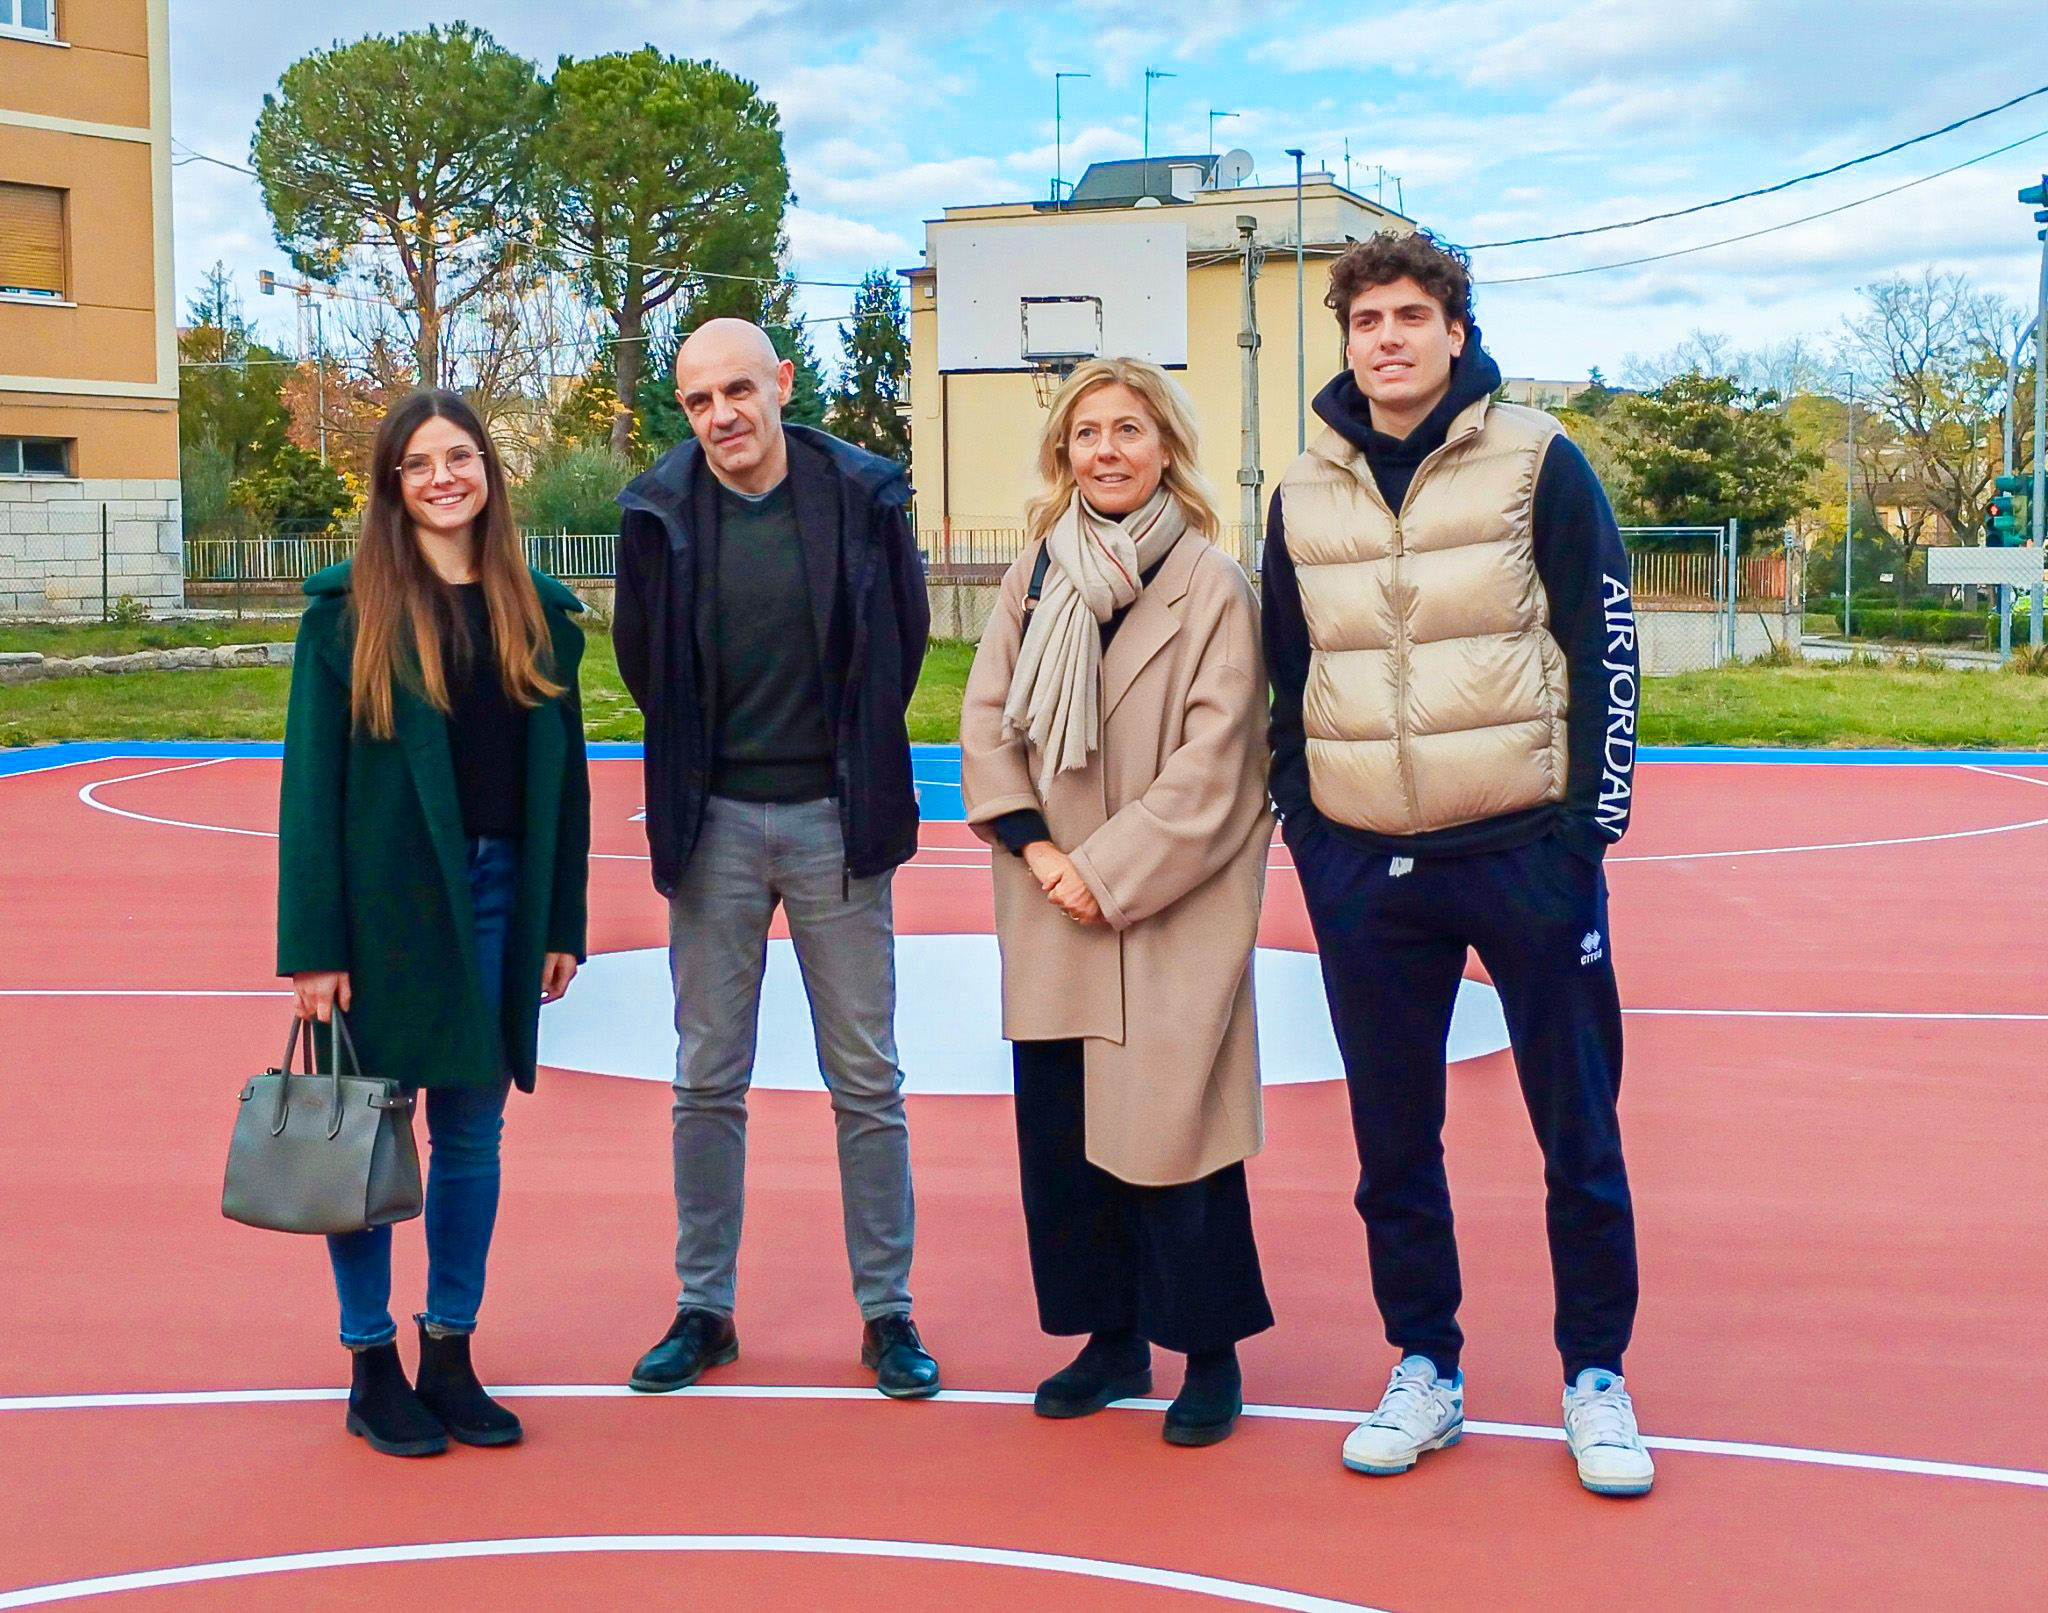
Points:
[(383, 1409), (1210, 1398), (1111, 1366), (448, 1388)]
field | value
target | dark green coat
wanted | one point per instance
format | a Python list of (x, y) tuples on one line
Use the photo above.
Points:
[(373, 874)]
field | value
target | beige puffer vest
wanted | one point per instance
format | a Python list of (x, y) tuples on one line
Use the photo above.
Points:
[(1436, 693)]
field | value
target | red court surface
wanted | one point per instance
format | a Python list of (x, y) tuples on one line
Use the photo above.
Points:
[(1837, 1117)]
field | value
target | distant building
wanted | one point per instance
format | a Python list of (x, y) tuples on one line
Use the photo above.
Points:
[(1533, 394), (974, 405), (88, 345)]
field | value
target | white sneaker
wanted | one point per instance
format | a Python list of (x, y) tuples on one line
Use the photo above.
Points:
[(1419, 1412), (1600, 1428)]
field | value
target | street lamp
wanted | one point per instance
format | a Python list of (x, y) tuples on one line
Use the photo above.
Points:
[(1300, 329), (1151, 73), (1059, 167)]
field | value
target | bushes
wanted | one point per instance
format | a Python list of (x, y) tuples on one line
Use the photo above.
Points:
[(1921, 626), (573, 490)]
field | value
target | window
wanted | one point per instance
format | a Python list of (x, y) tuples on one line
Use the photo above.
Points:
[(34, 456), (37, 17), (31, 236)]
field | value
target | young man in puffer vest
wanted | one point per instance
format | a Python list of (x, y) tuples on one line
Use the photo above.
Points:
[(1453, 655)]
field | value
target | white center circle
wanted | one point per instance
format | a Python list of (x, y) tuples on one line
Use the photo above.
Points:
[(618, 1020)]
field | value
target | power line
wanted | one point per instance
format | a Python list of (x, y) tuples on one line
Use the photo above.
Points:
[(1767, 190), (1769, 229)]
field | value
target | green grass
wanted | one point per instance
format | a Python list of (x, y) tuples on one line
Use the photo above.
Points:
[(67, 639), (1848, 706), (1844, 706)]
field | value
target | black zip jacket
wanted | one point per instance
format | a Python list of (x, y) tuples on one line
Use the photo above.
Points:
[(868, 609), (1584, 571)]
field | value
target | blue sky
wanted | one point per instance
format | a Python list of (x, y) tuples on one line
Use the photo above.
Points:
[(1502, 119)]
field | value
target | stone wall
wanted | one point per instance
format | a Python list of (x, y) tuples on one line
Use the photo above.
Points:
[(50, 545)]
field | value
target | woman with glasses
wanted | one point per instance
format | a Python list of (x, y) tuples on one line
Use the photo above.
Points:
[(434, 836)]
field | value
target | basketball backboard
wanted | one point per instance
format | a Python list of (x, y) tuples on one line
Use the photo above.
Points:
[(1013, 295)]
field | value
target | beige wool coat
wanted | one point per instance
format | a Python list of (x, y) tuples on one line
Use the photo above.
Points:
[(1169, 825)]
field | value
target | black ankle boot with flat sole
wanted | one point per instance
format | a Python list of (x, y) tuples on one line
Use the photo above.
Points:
[(1110, 1367), (383, 1409), (1211, 1398), (448, 1387)]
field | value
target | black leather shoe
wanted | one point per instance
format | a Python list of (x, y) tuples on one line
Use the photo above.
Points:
[(1110, 1367), (447, 1387), (696, 1339), (1210, 1399), (383, 1409), (904, 1369)]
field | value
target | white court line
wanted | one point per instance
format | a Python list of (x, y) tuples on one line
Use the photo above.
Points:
[(116, 991), (86, 795), (1821, 1013), (1913, 1466), (90, 799), (1992, 772), (1222, 1590), (1930, 1015)]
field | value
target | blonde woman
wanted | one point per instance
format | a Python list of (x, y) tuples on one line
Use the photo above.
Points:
[(1114, 757)]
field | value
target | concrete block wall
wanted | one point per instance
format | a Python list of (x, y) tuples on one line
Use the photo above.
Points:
[(50, 545)]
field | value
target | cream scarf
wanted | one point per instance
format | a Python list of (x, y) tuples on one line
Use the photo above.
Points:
[(1098, 563)]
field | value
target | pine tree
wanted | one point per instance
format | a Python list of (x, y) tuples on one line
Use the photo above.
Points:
[(874, 382)]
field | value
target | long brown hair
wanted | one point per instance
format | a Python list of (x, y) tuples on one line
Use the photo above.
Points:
[(404, 612), (1171, 413)]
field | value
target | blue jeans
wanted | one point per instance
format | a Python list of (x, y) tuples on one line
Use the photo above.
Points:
[(463, 1127)]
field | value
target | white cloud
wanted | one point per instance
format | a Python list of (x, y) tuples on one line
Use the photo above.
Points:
[(827, 238)]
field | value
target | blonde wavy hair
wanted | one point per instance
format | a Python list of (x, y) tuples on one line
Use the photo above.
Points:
[(1171, 412)]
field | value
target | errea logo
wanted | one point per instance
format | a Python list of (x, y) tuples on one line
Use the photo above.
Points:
[(1590, 949)]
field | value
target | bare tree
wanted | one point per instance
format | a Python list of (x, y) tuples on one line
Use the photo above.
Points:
[(1928, 357)]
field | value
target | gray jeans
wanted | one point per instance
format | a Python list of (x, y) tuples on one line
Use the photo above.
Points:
[(750, 856)]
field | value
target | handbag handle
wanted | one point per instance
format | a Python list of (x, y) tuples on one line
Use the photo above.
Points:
[(304, 1027)]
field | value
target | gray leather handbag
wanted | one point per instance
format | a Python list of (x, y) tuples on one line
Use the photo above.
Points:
[(322, 1153)]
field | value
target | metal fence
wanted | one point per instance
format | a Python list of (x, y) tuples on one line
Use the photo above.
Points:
[(576, 556)]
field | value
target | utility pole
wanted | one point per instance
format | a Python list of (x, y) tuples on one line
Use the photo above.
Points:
[(1249, 477), (1300, 318), (1059, 166), (1145, 185), (269, 285), (1849, 508), (2037, 197), (1213, 116)]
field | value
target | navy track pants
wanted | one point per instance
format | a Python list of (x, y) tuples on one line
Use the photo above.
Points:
[(1393, 941)]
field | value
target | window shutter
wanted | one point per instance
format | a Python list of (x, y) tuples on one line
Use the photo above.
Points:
[(31, 239)]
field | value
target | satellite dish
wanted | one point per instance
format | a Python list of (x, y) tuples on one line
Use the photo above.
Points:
[(1233, 168), (1147, 201)]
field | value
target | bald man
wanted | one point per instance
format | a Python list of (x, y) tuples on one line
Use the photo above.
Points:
[(770, 623)]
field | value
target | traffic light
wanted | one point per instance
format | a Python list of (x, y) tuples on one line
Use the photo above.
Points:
[(2001, 526), (2037, 196)]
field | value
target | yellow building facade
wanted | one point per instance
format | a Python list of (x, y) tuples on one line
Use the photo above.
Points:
[(974, 433), (88, 337)]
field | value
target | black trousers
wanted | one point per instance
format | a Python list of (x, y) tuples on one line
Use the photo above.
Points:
[(1393, 944), (1177, 1264)]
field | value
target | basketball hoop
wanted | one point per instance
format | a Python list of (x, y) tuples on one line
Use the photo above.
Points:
[(1047, 375)]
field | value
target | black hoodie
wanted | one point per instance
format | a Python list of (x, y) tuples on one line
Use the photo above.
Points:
[(1584, 571)]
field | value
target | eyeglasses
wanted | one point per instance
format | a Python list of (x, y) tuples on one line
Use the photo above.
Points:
[(416, 470)]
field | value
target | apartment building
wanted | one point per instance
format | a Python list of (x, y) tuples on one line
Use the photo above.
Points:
[(89, 495)]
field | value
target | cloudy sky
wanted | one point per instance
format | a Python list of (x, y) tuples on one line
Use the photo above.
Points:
[(1501, 118)]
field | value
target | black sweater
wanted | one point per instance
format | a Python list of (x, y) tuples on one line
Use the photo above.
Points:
[(1584, 571)]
